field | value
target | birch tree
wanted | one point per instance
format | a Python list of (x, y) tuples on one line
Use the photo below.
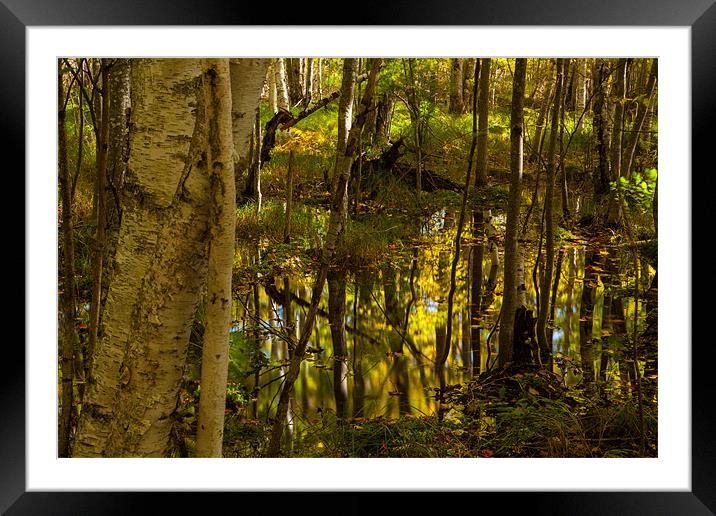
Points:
[(160, 265), (230, 96), (339, 206), (178, 146)]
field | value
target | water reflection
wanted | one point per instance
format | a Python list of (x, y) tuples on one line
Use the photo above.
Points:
[(395, 319)]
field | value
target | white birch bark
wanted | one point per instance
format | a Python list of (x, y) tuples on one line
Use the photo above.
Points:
[(247, 78), (219, 168), (271, 78), (281, 88), (159, 268)]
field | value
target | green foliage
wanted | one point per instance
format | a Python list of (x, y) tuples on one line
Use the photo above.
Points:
[(638, 192), (245, 357), (406, 437)]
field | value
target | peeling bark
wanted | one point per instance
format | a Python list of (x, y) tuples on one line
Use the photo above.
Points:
[(160, 265)]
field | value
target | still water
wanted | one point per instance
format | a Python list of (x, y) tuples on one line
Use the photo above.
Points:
[(390, 368)]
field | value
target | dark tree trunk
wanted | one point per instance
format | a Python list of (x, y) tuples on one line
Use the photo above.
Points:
[(586, 317), (511, 281), (614, 208), (101, 214), (118, 150), (337, 318), (456, 106), (642, 109), (482, 126), (339, 205), (68, 341), (384, 109), (545, 347), (601, 174), (541, 119), (293, 77)]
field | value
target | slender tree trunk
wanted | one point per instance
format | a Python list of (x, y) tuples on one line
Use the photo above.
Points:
[(216, 93), (580, 89), (101, 213), (118, 150), (601, 175), (468, 63), (509, 301), (478, 221), (337, 321), (562, 171), (253, 180), (335, 227), (481, 168), (642, 109), (545, 347), (68, 341), (456, 106), (293, 76), (308, 95), (541, 119), (272, 86), (442, 358), (247, 78), (614, 212), (416, 119), (281, 88)]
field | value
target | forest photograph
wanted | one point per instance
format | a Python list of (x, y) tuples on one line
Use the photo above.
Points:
[(357, 257)]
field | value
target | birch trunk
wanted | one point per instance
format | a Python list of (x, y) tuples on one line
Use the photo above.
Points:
[(309, 81), (339, 206), (159, 269), (273, 94), (281, 88), (247, 78), (219, 168), (456, 106)]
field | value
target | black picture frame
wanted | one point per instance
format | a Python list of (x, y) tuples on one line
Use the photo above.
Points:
[(700, 15)]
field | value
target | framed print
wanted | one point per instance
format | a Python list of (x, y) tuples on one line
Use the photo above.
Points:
[(676, 478)]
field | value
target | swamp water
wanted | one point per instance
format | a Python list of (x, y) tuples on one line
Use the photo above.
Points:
[(390, 369)]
